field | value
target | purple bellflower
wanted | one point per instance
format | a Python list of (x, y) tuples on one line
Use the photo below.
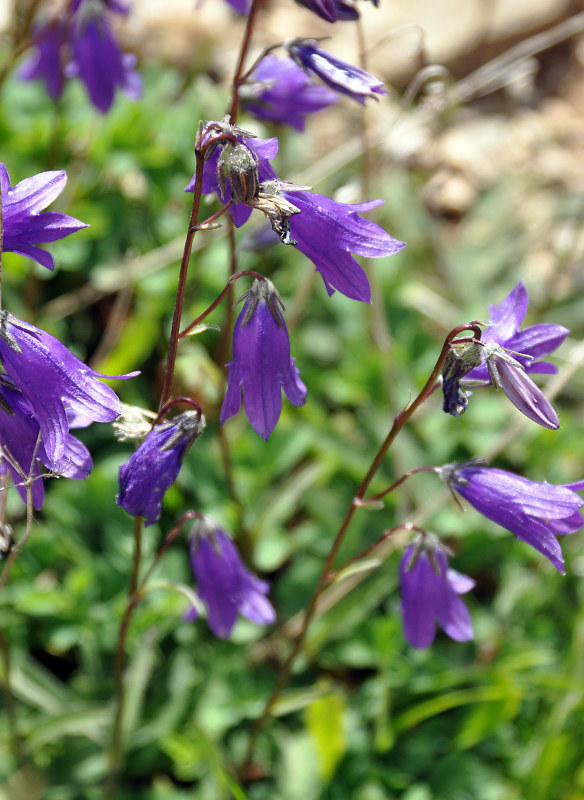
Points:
[(150, 471), (336, 73), (327, 232), (53, 381), (81, 44), (22, 450), (240, 6), (224, 585), (430, 594), (535, 512), (278, 90), (509, 354), (24, 227), (261, 365)]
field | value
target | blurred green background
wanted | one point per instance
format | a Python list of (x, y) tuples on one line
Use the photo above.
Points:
[(485, 194)]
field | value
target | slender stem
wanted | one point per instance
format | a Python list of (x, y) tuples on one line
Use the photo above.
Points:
[(20, 39), (117, 743), (399, 482), (399, 421), (182, 281), (245, 45), (406, 526), (10, 700), (250, 272), (170, 537)]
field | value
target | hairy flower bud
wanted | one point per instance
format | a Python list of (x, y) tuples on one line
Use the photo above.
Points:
[(238, 165)]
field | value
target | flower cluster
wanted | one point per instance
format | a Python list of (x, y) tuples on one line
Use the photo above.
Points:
[(80, 43)]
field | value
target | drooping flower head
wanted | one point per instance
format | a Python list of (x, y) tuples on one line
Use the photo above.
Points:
[(53, 382), (278, 90), (24, 226), (261, 365), (336, 73), (327, 232), (22, 448), (224, 584), (430, 594), (535, 512), (509, 354), (150, 471), (80, 43)]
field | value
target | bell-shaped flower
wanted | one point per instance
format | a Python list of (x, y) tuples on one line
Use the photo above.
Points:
[(47, 62), (152, 469), (430, 594), (327, 232), (535, 512), (21, 448), (52, 381), (224, 584), (278, 90), (24, 225), (261, 365), (527, 346), (336, 73)]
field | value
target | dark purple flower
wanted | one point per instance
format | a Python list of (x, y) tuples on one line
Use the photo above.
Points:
[(224, 584), (98, 60), (47, 63), (535, 512), (430, 595), (261, 365), (24, 226), (336, 73), (81, 44), (21, 449), (331, 10), (150, 471), (53, 380), (280, 91), (324, 230)]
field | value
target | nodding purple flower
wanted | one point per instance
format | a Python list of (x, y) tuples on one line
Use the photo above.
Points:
[(223, 583), (261, 365), (81, 44), (327, 232), (21, 448), (430, 594), (152, 469), (278, 90), (336, 73), (24, 226), (509, 354), (53, 381), (47, 63), (535, 512)]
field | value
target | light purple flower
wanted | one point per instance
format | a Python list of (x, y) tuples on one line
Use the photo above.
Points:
[(19, 440), (280, 91), (535, 512), (53, 380), (24, 225), (152, 469), (336, 73), (224, 584), (240, 6), (261, 365), (430, 595), (327, 232)]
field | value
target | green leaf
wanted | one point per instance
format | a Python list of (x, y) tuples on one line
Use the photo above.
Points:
[(325, 722)]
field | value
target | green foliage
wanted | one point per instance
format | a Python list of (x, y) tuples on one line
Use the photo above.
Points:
[(364, 717)]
